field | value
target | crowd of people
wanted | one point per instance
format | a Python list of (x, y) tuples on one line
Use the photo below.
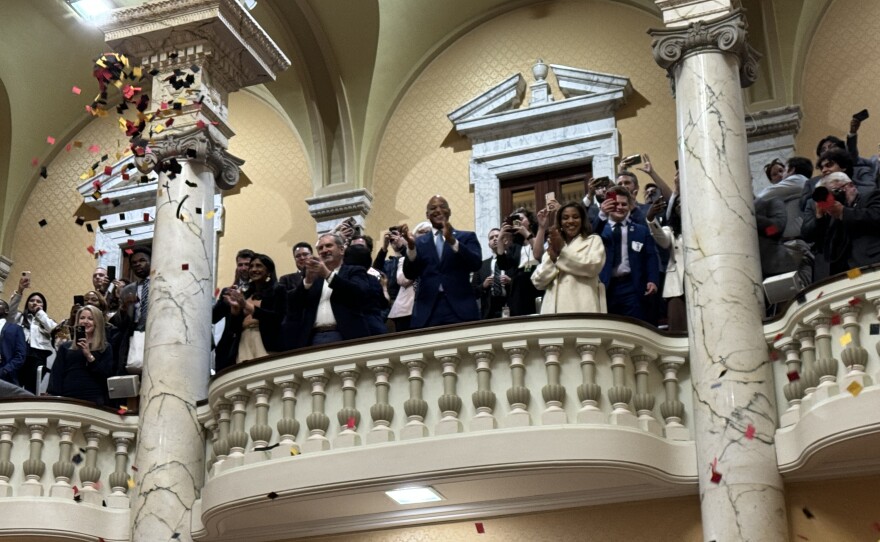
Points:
[(605, 254)]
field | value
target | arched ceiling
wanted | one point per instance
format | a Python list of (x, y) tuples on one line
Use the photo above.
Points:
[(352, 61)]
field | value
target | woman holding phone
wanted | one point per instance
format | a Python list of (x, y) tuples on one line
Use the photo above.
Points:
[(570, 267), (37, 332), (83, 365)]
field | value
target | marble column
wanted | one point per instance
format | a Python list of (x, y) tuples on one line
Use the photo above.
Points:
[(198, 52), (707, 57)]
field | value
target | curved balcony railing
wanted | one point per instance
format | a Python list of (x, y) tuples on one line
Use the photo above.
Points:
[(825, 348), (60, 459)]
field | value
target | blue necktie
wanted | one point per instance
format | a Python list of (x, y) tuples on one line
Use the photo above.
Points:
[(438, 242)]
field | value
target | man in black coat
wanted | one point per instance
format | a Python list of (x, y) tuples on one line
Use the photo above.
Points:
[(491, 287), (13, 347)]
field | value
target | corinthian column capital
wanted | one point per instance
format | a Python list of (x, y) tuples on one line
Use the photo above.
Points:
[(727, 34)]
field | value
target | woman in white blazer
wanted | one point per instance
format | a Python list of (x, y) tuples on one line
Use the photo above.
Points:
[(37, 332), (669, 237), (569, 269)]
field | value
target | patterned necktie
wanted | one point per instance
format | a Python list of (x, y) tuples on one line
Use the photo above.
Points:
[(145, 303), (616, 241), (496, 279), (438, 242)]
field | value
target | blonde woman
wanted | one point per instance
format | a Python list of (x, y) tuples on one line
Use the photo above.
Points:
[(83, 365)]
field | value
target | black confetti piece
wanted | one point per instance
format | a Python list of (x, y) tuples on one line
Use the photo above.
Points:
[(43, 223), (191, 184), (272, 495), (808, 513)]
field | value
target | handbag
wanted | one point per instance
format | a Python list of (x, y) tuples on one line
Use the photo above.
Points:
[(135, 362)]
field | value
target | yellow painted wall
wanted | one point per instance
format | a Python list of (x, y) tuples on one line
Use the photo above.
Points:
[(412, 163), (841, 74)]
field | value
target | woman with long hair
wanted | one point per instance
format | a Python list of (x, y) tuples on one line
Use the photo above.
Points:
[(37, 332), (668, 237), (569, 270), (255, 314), (516, 251), (83, 365)]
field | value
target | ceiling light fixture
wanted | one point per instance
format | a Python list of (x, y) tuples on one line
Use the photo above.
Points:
[(89, 9), (414, 495)]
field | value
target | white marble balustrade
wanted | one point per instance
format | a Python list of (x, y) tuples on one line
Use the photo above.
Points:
[(74, 459), (493, 376)]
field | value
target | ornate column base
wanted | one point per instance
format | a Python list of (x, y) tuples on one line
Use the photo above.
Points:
[(285, 449), (649, 424), (483, 421), (518, 417), (316, 443), (554, 415), (449, 426), (60, 491), (30, 488), (90, 495), (348, 438), (791, 415), (380, 433), (623, 417), (676, 431), (414, 429), (590, 414)]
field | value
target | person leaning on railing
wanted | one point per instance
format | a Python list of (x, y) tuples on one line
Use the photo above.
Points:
[(83, 365), (570, 267)]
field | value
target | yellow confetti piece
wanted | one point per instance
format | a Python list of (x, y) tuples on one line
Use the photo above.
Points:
[(84, 176), (854, 388), (846, 339), (137, 72), (159, 129), (293, 451), (130, 483), (117, 83), (210, 214), (122, 125), (854, 273)]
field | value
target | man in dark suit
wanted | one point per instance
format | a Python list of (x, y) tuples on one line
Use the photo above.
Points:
[(846, 227), (331, 296), (443, 263), (302, 251), (490, 282), (221, 310), (13, 347), (631, 271), (132, 315)]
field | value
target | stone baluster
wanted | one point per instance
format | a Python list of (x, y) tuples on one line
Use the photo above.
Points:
[(484, 398), (806, 336), (589, 392), (643, 400), (238, 437), (119, 478), (853, 355), (34, 467), (553, 392), (518, 395), (449, 402), (381, 412), (212, 429), (620, 394), (223, 409), (794, 389), (672, 409), (63, 468), (348, 416), (90, 474), (873, 297), (8, 426), (261, 431), (416, 408), (317, 421), (826, 364), (288, 426)]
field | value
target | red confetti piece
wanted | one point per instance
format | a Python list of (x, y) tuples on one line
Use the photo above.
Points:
[(35, 162), (184, 267), (106, 201), (169, 122), (75, 490), (774, 355), (76, 90), (50, 140), (163, 106), (750, 432), (68, 147), (200, 124), (216, 292), (480, 528), (108, 170), (125, 176), (97, 184), (792, 376), (94, 149), (777, 337), (716, 477), (130, 242), (771, 230), (855, 301), (128, 252), (820, 295), (835, 320), (350, 423), (827, 204), (146, 217), (91, 249), (122, 410)]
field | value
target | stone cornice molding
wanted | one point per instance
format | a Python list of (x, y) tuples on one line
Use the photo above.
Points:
[(196, 145), (727, 34), (244, 53), (774, 122)]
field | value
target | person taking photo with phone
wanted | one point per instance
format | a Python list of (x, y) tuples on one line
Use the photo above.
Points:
[(84, 364), (37, 331)]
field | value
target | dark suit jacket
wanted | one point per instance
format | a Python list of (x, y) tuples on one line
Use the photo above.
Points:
[(291, 281), (13, 349), (490, 306), (853, 241), (643, 263), (269, 313), (125, 323), (350, 286), (522, 293), (453, 272)]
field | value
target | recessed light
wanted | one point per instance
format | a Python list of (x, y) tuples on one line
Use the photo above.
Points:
[(414, 495)]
